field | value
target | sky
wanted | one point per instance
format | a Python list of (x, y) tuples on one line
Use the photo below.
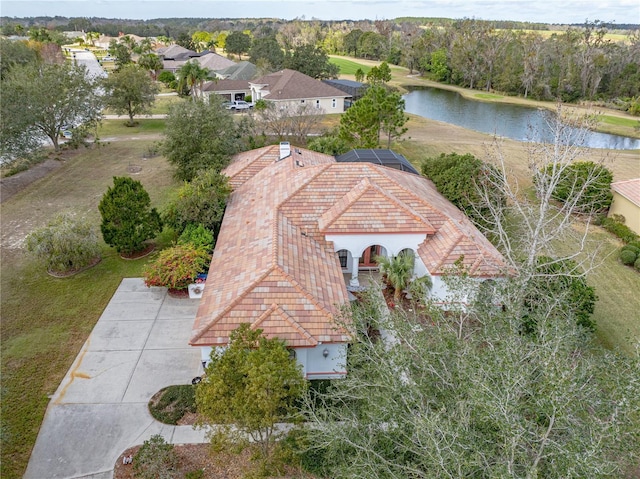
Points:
[(544, 11)]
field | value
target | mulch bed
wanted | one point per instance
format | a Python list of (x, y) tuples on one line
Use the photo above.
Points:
[(66, 274), (140, 254), (178, 293)]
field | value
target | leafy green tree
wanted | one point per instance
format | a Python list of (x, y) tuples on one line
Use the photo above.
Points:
[(359, 75), (14, 53), (237, 43), (312, 61), (166, 77), (379, 110), (130, 91), (459, 178), (351, 41), (267, 52), (65, 244), (185, 41), (397, 271), (199, 136), (252, 385), (583, 183), (177, 267), (121, 52), (156, 459), (560, 289), (329, 144), (200, 202), (438, 65), (192, 75), (127, 217), (491, 402), (198, 236), (151, 62), (379, 75), (33, 113)]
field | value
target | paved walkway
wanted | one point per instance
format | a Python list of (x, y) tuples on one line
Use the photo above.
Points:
[(138, 346)]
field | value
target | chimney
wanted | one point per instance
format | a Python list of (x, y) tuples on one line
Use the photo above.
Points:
[(285, 150)]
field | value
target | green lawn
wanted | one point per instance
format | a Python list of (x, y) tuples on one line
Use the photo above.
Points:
[(109, 128), (349, 67), (488, 96), (619, 121), (163, 103), (46, 320)]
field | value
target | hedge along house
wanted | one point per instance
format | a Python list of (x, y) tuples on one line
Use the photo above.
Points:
[(299, 227), (626, 202)]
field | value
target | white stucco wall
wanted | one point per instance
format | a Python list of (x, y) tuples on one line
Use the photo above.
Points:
[(392, 243), (314, 364)]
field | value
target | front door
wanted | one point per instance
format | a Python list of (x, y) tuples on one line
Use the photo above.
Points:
[(367, 260)]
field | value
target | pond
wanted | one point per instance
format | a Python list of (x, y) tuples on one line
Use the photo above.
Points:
[(511, 121)]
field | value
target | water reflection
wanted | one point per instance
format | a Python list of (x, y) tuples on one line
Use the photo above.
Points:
[(510, 121)]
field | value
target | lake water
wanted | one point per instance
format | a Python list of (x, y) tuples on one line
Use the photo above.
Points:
[(504, 120)]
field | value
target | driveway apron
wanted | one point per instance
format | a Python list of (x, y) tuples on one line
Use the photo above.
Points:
[(138, 346)]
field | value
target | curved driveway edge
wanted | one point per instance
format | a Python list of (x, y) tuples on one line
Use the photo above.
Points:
[(138, 346)]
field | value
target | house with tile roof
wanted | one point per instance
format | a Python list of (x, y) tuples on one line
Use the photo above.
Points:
[(290, 87), (298, 230), (626, 202)]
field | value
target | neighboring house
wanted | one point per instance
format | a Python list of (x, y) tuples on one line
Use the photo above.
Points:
[(626, 202), (174, 57), (354, 89), (289, 87), (299, 227), (229, 90), (243, 70)]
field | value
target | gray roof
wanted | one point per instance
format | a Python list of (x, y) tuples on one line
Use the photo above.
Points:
[(243, 70)]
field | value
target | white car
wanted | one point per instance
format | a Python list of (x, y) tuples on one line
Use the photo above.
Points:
[(238, 105)]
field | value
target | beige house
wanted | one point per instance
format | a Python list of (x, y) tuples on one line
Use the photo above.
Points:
[(290, 88), (626, 202)]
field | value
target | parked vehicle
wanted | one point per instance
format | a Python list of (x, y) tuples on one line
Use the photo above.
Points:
[(238, 105)]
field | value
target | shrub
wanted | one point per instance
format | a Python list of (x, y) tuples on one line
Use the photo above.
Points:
[(198, 236), (200, 202), (65, 244), (631, 247), (176, 267), (619, 229), (167, 78), (636, 265), (419, 288), (586, 183), (628, 257), (156, 459), (127, 217), (174, 402)]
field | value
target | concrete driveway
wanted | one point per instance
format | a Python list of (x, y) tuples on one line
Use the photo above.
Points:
[(138, 346)]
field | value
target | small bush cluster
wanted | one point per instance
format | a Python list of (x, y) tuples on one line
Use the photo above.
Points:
[(156, 459), (198, 236), (65, 244), (176, 267), (175, 401), (629, 254)]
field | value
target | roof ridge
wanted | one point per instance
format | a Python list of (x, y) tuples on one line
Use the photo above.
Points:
[(339, 209), (288, 318), (233, 303), (297, 286)]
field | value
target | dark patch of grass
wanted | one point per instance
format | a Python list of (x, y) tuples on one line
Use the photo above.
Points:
[(170, 404)]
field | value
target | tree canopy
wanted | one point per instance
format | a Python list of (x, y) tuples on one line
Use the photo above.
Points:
[(130, 91), (237, 43), (312, 61), (127, 217), (38, 101), (251, 385), (267, 54), (199, 136)]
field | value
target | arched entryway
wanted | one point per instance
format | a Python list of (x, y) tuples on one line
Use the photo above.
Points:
[(368, 257)]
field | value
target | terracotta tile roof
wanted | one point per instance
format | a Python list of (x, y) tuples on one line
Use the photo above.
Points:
[(272, 266), (291, 85), (630, 189)]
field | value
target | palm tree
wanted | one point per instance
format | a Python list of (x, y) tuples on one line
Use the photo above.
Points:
[(398, 271), (150, 62), (192, 74)]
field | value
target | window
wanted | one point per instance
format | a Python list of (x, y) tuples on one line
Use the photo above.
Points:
[(343, 256), (333, 103), (317, 103)]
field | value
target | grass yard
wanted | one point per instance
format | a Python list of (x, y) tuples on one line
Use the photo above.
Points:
[(349, 67), (163, 103), (110, 128), (46, 320)]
